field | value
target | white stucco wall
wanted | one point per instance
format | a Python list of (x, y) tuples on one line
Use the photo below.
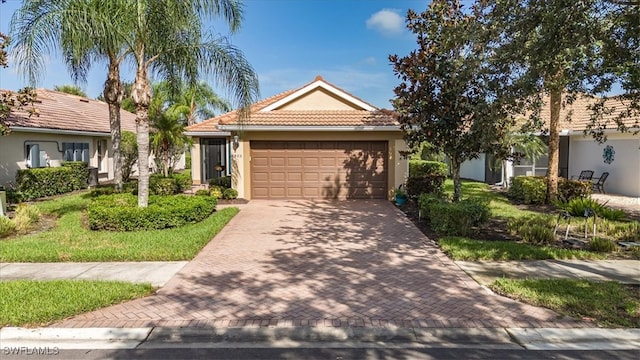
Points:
[(12, 151), (624, 171), (473, 169)]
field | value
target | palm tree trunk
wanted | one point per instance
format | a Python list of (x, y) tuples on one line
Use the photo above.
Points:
[(141, 95), (554, 145), (113, 96)]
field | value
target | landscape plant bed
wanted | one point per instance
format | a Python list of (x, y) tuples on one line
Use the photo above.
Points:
[(71, 240), (491, 241), (39, 303)]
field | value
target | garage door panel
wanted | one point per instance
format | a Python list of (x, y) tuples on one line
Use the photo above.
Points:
[(318, 169)]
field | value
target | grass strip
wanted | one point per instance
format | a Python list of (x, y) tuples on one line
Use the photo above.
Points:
[(461, 248), (609, 304), (38, 303), (70, 240)]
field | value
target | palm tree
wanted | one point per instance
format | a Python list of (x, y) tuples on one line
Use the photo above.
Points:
[(517, 145), (79, 29), (196, 103), (167, 139), (163, 37), (167, 39)]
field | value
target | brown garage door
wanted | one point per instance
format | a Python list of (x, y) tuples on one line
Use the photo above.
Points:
[(319, 169)]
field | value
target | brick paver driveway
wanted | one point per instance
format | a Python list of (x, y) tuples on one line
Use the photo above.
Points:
[(349, 263)]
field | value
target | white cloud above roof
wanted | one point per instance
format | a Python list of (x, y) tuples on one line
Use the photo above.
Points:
[(386, 21)]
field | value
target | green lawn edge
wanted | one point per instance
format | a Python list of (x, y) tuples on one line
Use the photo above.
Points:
[(70, 241), (33, 303)]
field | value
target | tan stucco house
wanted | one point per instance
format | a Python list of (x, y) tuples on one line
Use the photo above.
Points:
[(619, 155), (68, 128), (313, 142)]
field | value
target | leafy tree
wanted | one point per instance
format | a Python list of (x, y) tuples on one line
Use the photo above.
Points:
[(70, 89), (10, 101), (129, 148), (85, 31), (444, 96), (168, 141), (553, 50)]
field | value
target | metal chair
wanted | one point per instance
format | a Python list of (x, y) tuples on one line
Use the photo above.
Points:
[(586, 175), (599, 184)]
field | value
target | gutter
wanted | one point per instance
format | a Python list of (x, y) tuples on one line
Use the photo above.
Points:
[(58, 131), (208, 134), (307, 128)]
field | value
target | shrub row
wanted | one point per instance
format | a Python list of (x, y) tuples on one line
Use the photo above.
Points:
[(174, 184), (40, 182), (119, 212), (457, 218), (426, 177), (224, 181), (533, 189), (220, 192)]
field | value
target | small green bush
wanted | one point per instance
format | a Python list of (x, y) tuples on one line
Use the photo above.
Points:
[(26, 216), (537, 234), (457, 218), (216, 191), (159, 185), (603, 245), (120, 212), (579, 206), (183, 180), (516, 226), (41, 182), (224, 181), (429, 184), (102, 190), (187, 160), (203, 192), (573, 189), (7, 227), (427, 168), (230, 194), (528, 189)]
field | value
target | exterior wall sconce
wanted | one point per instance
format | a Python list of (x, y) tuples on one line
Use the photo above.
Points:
[(236, 143)]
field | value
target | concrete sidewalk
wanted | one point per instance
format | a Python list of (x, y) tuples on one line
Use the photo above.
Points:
[(485, 272), (155, 272)]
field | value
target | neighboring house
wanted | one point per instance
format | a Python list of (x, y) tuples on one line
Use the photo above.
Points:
[(314, 142), (619, 155), (68, 128)]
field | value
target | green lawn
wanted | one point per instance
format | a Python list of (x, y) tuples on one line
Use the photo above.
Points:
[(460, 248), (37, 303), (71, 241), (609, 304)]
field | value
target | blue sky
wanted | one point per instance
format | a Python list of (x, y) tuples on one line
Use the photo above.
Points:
[(289, 42)]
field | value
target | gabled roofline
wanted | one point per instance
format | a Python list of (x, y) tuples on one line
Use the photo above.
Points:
[(320, 83)]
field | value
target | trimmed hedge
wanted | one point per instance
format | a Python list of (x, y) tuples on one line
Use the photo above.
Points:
[(230, 194), (174, 184), (425, 177), (457, 218), (40, 182), (533, 189), (120, 212), (424, 167)]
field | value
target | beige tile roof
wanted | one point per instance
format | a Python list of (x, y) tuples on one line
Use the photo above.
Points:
[(61, 111), (381, 117), (581, 114)]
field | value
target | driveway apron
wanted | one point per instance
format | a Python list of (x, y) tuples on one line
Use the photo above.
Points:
[(322, 263)]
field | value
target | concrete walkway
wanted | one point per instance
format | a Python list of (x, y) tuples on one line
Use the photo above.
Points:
[(155, 272)]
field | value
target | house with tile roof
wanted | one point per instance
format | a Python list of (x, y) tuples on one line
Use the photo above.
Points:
[(313, 142), (68, 128), (619, 155)]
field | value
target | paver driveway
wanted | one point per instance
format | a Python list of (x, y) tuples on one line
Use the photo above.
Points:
[(348, 263)]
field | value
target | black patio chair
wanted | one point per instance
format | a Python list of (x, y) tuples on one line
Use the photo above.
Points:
[(599, 184), (586, 175)]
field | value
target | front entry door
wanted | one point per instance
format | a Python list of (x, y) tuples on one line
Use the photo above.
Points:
[(214, 158)]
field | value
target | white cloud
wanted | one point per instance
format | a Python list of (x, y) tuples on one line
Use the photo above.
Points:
[(387, 22)]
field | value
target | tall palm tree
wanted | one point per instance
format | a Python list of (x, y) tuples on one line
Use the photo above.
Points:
[(168, 40), (79, 29), (197, 102), (168, 140)]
